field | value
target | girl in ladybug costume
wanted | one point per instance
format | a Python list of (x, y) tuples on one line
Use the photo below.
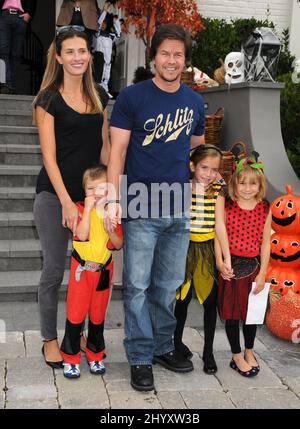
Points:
[(90, 277), (248, 224)]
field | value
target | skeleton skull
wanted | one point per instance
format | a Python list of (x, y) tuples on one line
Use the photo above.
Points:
[(234, 67), (297, 66)]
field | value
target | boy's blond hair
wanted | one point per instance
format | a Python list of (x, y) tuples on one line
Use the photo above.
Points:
[(94, 173), (247, 171)]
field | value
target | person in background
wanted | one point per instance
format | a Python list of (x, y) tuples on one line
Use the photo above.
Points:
[(14, 18), (109, 31), (80, 13)]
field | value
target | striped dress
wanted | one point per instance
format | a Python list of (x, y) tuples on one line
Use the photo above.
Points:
[(200, 262)]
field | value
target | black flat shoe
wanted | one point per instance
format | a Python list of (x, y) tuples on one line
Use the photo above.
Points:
[(54, 365), (210, 366), (183, 350), (251, 373), (142, 378)]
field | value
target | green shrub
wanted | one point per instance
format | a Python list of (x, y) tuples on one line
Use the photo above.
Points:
[(219, 38)]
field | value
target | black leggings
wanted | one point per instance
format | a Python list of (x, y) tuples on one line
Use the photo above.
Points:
[(233, 334), (210, 319)]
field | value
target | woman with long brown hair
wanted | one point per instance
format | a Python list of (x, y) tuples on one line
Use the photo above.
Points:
[(70, 113)]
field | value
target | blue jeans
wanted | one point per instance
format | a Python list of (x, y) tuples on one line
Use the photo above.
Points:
[(154, 267), (12, 37)]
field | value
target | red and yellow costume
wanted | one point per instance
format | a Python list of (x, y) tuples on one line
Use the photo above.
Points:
[(88, 291)]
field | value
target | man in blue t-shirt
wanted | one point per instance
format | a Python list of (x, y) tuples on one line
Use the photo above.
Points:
[(154, 124)]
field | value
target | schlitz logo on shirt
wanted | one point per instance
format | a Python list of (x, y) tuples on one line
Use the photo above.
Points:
[(160, 126)]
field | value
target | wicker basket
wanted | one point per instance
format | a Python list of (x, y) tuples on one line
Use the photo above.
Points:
[(213, 126), (229, 158), (187, 77)]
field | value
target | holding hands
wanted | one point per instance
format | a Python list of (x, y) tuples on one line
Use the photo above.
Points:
[(225, 269)]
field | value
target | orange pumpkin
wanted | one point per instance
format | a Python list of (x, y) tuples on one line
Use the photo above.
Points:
[(286, 213), (296, 289), (283, 280), (285, 251), (283, 315)]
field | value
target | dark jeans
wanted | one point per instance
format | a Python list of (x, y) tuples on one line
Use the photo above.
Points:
[(12, 37), (54, 241)]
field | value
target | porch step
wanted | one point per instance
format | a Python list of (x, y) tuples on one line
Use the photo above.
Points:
[(18, 135), (16, 102), (16, 117), (23, 255), (18, 175), (20, 154), (23, 286), (16, 199), (17, 226)]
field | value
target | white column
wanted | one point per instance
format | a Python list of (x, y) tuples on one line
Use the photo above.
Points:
[(295, 29), (135, 54)]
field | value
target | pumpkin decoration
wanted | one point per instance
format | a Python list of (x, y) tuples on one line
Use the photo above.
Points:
[(282, 315), (283, 280), (286, 213), (296, 289), (284, 269), (285, 251)]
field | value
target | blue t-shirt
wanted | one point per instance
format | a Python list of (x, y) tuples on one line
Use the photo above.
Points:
[(161, 125)]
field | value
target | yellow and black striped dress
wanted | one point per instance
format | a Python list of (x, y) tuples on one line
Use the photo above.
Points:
[(200, 258)]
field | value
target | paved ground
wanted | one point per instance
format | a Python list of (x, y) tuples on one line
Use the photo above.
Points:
[(26, 382)]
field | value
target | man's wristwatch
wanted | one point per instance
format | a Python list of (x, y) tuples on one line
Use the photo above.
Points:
[(111, 201)]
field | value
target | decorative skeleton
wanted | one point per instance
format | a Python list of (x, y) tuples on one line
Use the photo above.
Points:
[(234, 68)]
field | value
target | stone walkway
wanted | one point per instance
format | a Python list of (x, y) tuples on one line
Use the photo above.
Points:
[(26, 382)]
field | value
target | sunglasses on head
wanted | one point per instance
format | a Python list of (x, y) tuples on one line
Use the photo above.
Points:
[(66, 28)]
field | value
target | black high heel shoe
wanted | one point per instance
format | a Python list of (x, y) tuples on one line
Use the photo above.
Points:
[(54, 365)]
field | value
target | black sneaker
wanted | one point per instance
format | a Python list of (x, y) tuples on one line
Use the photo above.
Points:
[(174, 361), (142, 377)]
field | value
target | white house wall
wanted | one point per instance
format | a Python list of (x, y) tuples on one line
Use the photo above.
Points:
[(295, 29), (280, 11)]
